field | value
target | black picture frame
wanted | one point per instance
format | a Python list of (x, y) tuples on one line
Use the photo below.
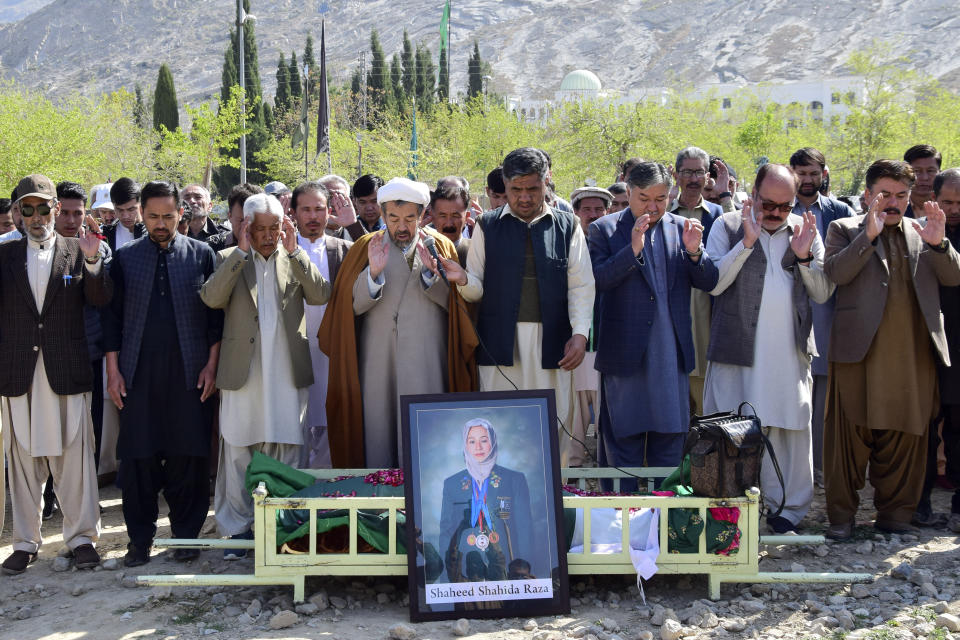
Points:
[(434, 447)]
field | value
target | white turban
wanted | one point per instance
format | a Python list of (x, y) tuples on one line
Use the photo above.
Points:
[(405, 190), (262, 203)]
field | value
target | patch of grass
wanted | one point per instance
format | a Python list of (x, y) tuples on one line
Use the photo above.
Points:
[(938, 634), (892, 623), (925, 613), (882, 634), (192, 613), (838, 634), (120, 612)]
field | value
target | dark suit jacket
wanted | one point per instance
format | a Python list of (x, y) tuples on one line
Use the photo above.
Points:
[(628, 303), (110, 231), (859, 269), (57, 330), (189, 265)]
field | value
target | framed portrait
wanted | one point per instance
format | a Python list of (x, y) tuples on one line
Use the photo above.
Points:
[(484, 512)]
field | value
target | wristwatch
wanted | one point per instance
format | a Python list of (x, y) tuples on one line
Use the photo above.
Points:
[(94, 260), (725, 194)]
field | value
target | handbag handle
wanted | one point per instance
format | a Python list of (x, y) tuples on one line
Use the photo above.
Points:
[(773, 459)]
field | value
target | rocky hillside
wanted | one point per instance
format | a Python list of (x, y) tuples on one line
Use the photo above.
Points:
[(100, 45)]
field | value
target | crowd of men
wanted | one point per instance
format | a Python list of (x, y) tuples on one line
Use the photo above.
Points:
[(293, 328)]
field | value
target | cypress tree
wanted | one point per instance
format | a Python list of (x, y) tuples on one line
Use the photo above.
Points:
[(475, 73), (308, 58), (396, 81), (356, 94), (296, 89), (376, 79), (140, 109), (165, 110), (228, 76), (426, 80), (409, 66), (443, 84), (281, 101)]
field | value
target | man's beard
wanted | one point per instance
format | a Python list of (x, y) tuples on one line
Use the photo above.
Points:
[(402, 244), (42, 234), (809, 190)]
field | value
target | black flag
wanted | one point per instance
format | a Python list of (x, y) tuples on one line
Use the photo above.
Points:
[(323, 116)]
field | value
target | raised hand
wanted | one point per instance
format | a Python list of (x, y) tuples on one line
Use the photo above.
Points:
[(455, 273), (932, 233), (378, 249), (692, 235), (473, 213), (751, 227), (243, 236), (637, 235), (804, 235), (342, 207), (425, 258), (90, 241), (288, 235), (723, 176), (875, 218), (674, 193)]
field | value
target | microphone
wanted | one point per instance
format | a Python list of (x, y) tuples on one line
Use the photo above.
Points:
[(431, 246)]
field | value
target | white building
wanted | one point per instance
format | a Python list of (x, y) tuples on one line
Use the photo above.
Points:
[(826, 98)]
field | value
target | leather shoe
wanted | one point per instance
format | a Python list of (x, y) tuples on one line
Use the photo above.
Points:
[(186, 555), (840, 532), (50, 507), (136, 556), (780, 525), (889, 526), (86, 557), (17, 562)]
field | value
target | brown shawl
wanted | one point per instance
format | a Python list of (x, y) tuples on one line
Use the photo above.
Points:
[(338, 339)]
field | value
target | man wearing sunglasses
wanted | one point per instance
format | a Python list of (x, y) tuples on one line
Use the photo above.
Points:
[(46, 380), (761, 338)]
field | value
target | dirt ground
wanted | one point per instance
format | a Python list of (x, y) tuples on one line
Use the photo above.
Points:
[(103, 604)]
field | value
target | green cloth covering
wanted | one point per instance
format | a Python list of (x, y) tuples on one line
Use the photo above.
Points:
[(281, 479), (686, 525)]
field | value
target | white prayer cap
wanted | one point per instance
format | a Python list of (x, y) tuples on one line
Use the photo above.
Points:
[(405, 190), (262, 203)]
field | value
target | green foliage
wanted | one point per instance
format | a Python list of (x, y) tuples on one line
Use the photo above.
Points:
[(426, 79), (308, 58), (165, 110), (396, 82), (409, 66), (139, 109), (281, 101), (443, 82), (293, 72), (475, 73), (82, 139), (213, 137), (376, 79)]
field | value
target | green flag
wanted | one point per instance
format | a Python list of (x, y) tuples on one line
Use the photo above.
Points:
[(412, 167), (445, 27)]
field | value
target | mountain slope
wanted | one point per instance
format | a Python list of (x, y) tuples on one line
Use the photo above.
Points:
[(101, 45)]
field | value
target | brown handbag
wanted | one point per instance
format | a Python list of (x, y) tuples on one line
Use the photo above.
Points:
[(726, 451)]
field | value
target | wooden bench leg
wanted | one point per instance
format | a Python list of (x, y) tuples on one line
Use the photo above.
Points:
[(299, 588), (715, 582)]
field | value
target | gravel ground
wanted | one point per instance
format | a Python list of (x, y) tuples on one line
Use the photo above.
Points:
[(915, 594)]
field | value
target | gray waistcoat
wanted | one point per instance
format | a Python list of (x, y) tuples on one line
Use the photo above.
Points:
[(733, 326)]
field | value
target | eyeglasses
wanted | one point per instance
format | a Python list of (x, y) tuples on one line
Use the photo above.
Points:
[(27, 210), (690, 173), (770, 207)]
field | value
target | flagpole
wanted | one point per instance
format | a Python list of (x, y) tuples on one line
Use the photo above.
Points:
[(306, 122), (326, 93)]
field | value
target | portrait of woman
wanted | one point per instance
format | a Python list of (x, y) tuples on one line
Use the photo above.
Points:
[(485, 522)]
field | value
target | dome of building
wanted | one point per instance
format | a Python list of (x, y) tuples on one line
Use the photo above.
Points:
[(580, 80)]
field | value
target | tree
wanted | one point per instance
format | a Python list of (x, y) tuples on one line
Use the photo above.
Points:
[(296, 89), (140, 109), (308, 58), (165, 109), (443, 85), (376, 79), (409, 66), (228, 76), (281, 101), (426, 79), (356, 96), (475, 73), (396, 82)]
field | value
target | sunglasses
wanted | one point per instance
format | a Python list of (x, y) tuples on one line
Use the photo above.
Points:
[(27, 210), (770, 207)]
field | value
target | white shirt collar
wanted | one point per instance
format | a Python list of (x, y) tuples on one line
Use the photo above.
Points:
[(307, 243)]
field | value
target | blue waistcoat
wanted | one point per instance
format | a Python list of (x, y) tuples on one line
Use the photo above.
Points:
[(505, 240)]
